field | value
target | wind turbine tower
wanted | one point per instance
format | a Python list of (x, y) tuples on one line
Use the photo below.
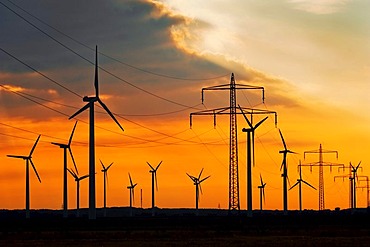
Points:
[(153, 171), (90, 105), (231, 110), (197, 181), (299, 183), (321, 164), (28, 160), (65, 180), (105, 173)]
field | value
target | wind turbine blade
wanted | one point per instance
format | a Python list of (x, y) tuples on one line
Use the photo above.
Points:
[(106, 176), (83, 177), (158, 165), (288, 179), (191, 177), (200, 188), (358, 165), (96, 82), (81, 110), (34, 146), (17, 156), (282, 138), (294, 185), (110, 113), (155, 179), (309, 184), (73, 159), (203, 179), (260, 122), (130, 179), (72, 173), (253, 148), (261, 179), (110, 165), (151, 167), (263, 194), (200, 174), (34, 168), (245, 117), (102, 164), (282, 163), (73, 131)]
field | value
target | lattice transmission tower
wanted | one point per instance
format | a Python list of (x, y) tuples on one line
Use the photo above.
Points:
[(232, 111), (321, 164)]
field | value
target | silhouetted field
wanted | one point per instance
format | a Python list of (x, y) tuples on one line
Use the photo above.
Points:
[(180, 227)]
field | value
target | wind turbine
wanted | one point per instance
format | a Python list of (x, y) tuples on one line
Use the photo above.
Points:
[(105, 172), (77, 179), (299, 183), (250, 151), (197, 181), (285, 173), (90, 105), (262, 192), (131, 188), (28, 160), (153, 171), (65, 182), (354, 176)]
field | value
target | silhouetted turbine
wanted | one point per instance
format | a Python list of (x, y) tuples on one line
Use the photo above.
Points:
[(77, 179), (197, 181), (250, 151), (65, 181), (105, 173), (131, 188), (285, 173), (153, 171), (262, 192), (90, 105), (354, 176), (299, 183), (28, 160)]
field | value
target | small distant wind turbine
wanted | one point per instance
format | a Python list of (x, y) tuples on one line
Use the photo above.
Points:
[(354, 177), (299, 183), (65, 182), (285, 173), (105, 172), (28, 160), (90, 105), (153, 171), (77, 179), (131, 188), (250, 153), (197, 181), (262, 192)]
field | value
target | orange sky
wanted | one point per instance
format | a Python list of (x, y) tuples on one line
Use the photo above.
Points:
[(309, 114)]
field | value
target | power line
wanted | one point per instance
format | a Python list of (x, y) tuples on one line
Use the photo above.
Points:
[(38, 72), (112, 58)]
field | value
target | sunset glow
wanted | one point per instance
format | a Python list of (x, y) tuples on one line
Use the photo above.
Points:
[(311, 57)]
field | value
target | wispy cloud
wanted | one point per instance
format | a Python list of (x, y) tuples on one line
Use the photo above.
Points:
[(320, 6)]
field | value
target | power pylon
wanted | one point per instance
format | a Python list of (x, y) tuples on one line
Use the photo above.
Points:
[(231, 110), (321, 164), (365, 178)]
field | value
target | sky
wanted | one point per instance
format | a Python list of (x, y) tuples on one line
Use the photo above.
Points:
[(311, 57)]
